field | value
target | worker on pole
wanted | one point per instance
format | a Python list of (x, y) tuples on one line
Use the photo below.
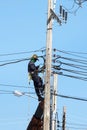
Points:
[(37, 80)]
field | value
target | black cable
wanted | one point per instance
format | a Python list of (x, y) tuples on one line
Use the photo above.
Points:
[(72, 59), (70, 97), (76, 124), (13, 62), (79, 128), (12, 92), (84, 73), (72, 10), (79, 1), (18, 53), (70, 76), (82, 67), (78, 69), (17, 61), (75, 71), (73, 52), (76, 54), (15, 86)]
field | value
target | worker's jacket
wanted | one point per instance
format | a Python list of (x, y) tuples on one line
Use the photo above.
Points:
[(32, 69)]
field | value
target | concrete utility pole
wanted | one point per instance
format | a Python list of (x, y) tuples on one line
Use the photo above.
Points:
[(46, 125)]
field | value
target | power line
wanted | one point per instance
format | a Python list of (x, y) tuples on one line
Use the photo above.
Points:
[(17, 61), (70, 97), (78, 70), (76, 124), (78, 66), (16, 86), (71, 76), (13, 62), (74, 60), (24, 59), (79, 128), (12, 92), (79, 2), (75, 72), (72, 53), (25, 52), (28, 94), (60, 95)]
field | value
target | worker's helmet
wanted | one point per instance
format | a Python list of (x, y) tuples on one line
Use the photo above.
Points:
[(35, 57)]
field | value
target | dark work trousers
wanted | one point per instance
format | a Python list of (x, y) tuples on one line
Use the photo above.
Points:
[(38, 84)]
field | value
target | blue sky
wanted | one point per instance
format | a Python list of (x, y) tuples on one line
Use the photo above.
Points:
[(23, 29)]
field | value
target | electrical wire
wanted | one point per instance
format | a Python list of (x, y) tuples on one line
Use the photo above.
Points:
[(26, 52), (16, 61), (71, 76), (79, 128), (82, 67), (75, 71), (15, 86), (79, 2), (12, 92), (72, 127), (73, 65), (77, 67), (72, 53), (70, 97), (73, 9), (76, 124), (73, 60), (27, 94), (13, 62)]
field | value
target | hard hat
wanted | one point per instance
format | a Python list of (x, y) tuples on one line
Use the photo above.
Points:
[(34, 57)]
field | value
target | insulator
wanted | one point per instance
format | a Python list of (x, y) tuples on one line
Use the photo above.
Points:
[(66, 16), (63, 14), (54, 55), (61, 10), (53, 60), (54, 49)]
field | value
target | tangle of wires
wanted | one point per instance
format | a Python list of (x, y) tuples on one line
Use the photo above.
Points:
[(74, 7), (70, 64), (8, 60), (79, 2)]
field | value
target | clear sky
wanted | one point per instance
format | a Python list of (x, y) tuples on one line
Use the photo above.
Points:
[(23, 29)]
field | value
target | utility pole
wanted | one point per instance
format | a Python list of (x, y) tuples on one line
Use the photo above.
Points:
[(51, 15), (64, 118), (46, 124)]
